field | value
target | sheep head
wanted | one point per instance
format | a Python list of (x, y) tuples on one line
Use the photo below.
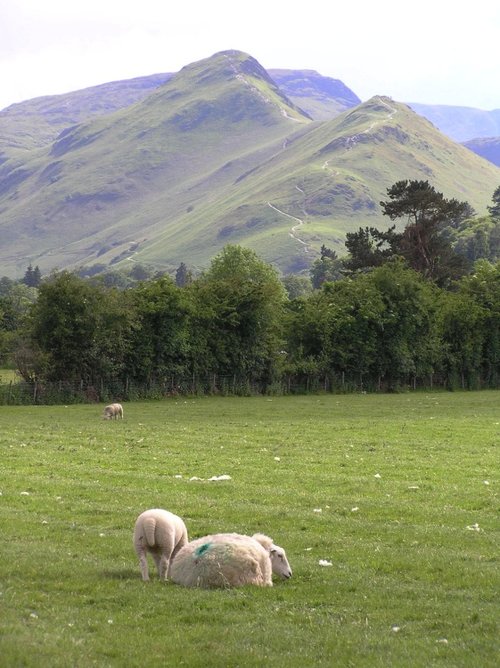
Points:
[(279, 562)]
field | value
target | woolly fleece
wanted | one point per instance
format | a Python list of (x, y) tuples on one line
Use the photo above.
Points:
[(162, 534), (224, 560)]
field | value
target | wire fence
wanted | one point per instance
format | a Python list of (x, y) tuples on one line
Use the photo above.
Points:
[(72, 392)]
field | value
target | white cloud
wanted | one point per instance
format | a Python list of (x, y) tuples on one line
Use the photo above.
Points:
[(430, 52)]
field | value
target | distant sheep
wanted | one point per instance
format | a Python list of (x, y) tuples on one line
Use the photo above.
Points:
[(113, 411), (162, 534), (229, 560)]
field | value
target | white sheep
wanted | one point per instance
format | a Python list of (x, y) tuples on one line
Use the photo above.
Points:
[(162, 534), (229, 560), (113, 411)]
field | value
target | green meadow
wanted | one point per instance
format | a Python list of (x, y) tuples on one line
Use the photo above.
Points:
[(387, 506)]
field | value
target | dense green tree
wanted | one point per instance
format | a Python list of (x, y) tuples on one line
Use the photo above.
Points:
[(16, 300), (356, 317), (335, 331), (115, 324), (296, 286), (424, 243), (159, 343), (5, 339), (239, 313), (64, 322), (32, 277), (483, 288), (112, 279), (494, 209), (478, 239), (328, 267), (408, 343), (91, 270), (80, 328), (138, 272), (307, 334), (183, 276), (6, 284), (461, 321), (387, 328), (15, 303), (375, 329), (369, 247)]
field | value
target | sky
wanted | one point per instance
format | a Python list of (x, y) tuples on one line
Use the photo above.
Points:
[(431, 51)]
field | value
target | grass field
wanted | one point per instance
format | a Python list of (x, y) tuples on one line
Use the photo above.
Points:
[(399, 493)]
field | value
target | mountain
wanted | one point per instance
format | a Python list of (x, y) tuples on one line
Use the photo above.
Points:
[(487, 147), (321, 97), (34, 123), (461, 123), (476, 129), (219, 154), (104, 184)]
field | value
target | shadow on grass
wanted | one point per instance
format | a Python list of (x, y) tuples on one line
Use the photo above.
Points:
[(128, 574)]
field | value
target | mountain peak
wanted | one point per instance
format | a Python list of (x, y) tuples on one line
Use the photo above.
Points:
[(236, 76), (245, 64), (230, 63)]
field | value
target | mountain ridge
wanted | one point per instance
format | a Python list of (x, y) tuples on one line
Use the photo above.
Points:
[(320, 96), (218, 154)]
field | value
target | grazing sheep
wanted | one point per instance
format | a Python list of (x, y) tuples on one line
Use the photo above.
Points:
[(229, 560), (162, 534), (112, 412)]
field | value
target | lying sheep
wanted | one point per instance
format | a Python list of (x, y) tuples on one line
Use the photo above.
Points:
[(112, 412), (162, 534), (229, 560)]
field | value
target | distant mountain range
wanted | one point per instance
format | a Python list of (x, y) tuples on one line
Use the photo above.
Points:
[(487, 147), (169, 168)]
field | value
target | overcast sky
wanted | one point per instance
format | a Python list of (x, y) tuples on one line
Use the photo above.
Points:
[(431, 51)]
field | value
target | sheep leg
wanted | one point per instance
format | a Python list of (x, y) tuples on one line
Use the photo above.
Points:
[(156, 558), (164, 567), (143, 563)]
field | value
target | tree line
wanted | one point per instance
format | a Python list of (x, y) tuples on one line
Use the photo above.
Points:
[(402, 309)]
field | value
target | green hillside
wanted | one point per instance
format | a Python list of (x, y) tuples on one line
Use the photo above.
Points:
[(37, 122), (216, 155)]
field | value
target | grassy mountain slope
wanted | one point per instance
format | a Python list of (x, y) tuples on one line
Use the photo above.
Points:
[(326, 180), (37, 122), (104, 182), (330, 179), (219, 154)]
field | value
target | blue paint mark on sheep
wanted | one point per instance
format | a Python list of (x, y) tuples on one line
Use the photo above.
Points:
[(202, 549)]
